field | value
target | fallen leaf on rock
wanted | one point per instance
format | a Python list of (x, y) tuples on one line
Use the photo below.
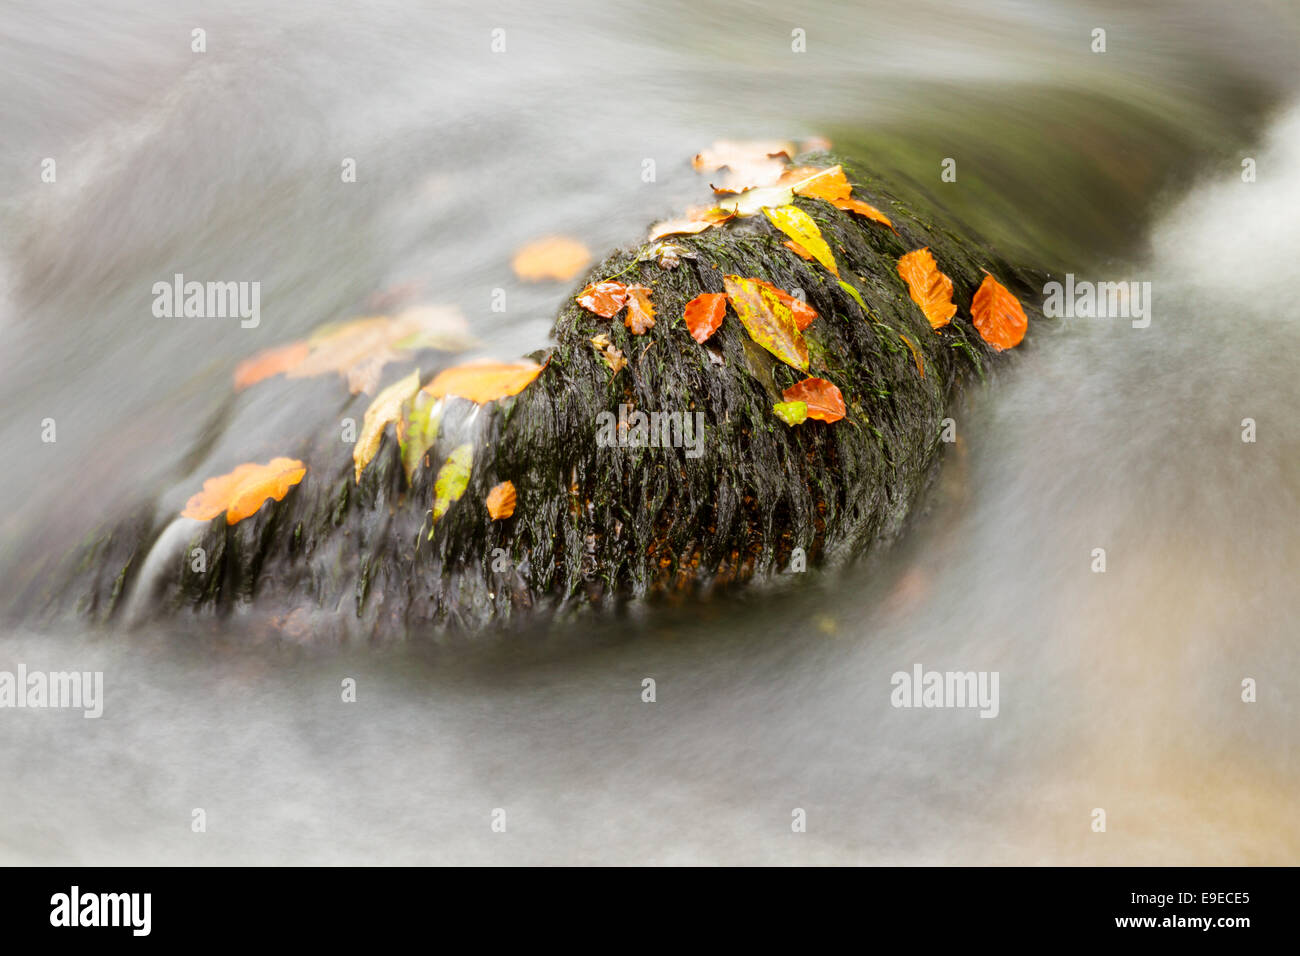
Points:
[(483, 382), (864, 209), (752, 201), (801, 227), (606, 350), (241, 492), (704, 314), (388, 406), (274, 361), (829, 184), (857, 296), (452, 480), (768, 320), (792, 413), (668, 254), (603, 298), (697, 219), (748, 164), (501, 501), (640, 316), (421, 431), (552, 258), (997, 315), (929, 288), (823, 400), (804, 314), (799, 250)]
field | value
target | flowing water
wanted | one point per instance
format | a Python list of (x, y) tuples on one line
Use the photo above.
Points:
[(1119, 690)]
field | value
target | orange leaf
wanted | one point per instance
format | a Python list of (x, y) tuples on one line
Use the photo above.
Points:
[(555, 257), (804, 314), (823, 399), (483, 382), (863, 209), (271, 362), (829, 184), (997, 315), (603, 298), (704, 314), (799, 250), (640, 316), (240, 493), (501, 501), (929, 288)]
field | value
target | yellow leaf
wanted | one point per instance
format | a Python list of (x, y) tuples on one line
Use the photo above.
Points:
[(483, 382), (240, 493), (801, 228), (388, 406), (768, 320), (452, 480)]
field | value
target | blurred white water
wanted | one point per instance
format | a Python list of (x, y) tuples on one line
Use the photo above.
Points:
[(1118, 690)]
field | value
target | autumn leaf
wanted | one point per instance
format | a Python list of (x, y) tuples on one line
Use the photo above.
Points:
[(501, 501), (360, 348), (554, 257), (697, 219), (452, 480), (800, 227), (997, 315), (421, 431), (929, 288), (241, 492), (748, 164), (640, 316), (606, 350), (799, 250), (828, 184), (853, 291), (863, 209), (823, 399), (792, 413), (804, 314), (603, 298), (388, 406), (767, 319), (704, 314), (271, 362), (916, 354), (752, 201), (483, 382)]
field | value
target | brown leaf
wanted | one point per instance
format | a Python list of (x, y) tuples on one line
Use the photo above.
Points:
[(603, 298), (241, 492), (997, 315), (640, 316), (823, 399), (929, 288), (605, 349), (483, 382), (704, 314), (501, 501), (554, 257)]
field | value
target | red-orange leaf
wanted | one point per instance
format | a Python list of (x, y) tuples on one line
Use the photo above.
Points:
[(484, 381), (799, 250), (823, 399), (603, 298), (240, 493), (501, 501), (704, 314), (863, 209), (640, 316), (997, 315), (929, 288)]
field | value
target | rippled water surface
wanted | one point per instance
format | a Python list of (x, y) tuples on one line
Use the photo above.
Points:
[(1119, 690)]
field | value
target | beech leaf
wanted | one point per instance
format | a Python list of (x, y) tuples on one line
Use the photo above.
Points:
[(704, 314), (421, 430), (452, 480), (824, 401), (603, 298), (929, 288), (483, 382), (241, 492), (640, 316), (792, 413), (501, 501), (997, 315), (768, 320), (388, 406), (554, 257), (801, 227)]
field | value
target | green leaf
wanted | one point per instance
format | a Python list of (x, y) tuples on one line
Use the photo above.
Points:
[(452, 480), (857, 296), (421, 430), (800, 227), (768, 320), (792, 413)]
